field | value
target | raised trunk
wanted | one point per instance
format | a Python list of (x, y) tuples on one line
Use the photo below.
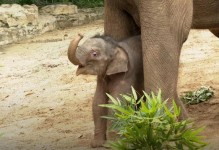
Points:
[(72, 50)]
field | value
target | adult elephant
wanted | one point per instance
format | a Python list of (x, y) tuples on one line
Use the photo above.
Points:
[(164, 26), (206, 15)]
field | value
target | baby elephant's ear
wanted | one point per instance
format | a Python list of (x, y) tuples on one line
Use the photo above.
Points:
[(119, 63)]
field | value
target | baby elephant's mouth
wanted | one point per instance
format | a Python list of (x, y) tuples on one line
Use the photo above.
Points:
[(80, 70), (86, 70), (80, 66)]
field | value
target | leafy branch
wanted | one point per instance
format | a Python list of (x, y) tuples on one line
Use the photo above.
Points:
[(150, 124), (198, 96)]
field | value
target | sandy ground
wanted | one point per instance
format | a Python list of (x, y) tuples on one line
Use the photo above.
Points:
[(45, 106)]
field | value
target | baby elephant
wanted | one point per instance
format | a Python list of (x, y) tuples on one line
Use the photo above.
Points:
[(118, 66)]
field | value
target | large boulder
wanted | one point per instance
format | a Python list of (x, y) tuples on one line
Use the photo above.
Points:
[(32, 14), (46, 23), (18, 22), (59, 9), (15, 15)]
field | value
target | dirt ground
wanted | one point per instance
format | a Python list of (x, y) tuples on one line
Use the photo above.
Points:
[(45, 106)]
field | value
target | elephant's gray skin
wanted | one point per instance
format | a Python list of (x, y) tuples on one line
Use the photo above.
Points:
[(164, 26), (118, 66), (206, 15)]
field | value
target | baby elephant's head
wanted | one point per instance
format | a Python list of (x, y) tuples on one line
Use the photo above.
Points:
[(99, 55)]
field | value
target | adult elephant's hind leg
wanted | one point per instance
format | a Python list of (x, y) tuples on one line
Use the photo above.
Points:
[(215, 31), (164, 26)]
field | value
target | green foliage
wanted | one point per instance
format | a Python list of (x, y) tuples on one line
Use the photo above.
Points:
[(79, 3), (22, 2), (88, 3), (198, 96), (150, 125)]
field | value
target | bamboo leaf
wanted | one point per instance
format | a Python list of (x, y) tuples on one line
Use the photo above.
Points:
[(134, 93), (112, 99), (151, 125)]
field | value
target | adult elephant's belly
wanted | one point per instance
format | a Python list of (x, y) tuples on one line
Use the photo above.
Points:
[(205, 14)]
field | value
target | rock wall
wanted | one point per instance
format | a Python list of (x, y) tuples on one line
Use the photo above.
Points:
[(19, 22), (18, 16), (70, 15)]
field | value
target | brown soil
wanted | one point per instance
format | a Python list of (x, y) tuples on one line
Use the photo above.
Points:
[(45, 106)]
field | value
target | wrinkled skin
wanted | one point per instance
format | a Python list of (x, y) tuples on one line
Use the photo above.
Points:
[(164, 26), (118, 66)]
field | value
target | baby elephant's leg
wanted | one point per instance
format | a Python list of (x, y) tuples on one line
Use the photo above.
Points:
[(117, 88), (100, 124)]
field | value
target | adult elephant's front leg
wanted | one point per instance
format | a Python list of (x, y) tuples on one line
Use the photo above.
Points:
[(215, 31), (100, 124), (164, 26), (117, 23)]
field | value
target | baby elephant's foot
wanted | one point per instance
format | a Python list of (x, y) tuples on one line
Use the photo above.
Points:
[(97, 143)]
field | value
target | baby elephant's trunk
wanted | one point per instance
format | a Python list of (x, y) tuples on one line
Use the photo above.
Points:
[(72, 50)]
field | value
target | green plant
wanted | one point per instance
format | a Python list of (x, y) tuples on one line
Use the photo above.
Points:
[(23, 2), (88, 3), (150, 124), (79, 3), (198, 96)]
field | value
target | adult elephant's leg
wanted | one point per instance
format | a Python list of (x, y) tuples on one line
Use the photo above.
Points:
[(100, 124), (215, 31), (164, 26), (117, 23)]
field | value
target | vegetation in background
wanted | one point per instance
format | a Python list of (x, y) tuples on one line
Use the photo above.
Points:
[(198, 96), (88, 3), (22, 2), (79, 3), (150, 124)]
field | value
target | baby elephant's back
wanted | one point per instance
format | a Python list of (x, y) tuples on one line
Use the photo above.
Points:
[(133, 48)]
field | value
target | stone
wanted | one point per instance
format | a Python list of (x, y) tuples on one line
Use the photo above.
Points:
[(59, 9), (17, 19), (65, 9), (64, 21), (3, 15), (47, 9), (16, 15), (32, 14), (19, 22), (31, 8), (12, 22), (2, 24), (5, 5), (46, 23)]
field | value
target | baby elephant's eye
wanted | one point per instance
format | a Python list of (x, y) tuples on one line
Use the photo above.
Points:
[(94, 54)]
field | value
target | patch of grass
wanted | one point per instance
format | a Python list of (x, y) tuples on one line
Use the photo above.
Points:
[(150, 125), (194, 97)]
